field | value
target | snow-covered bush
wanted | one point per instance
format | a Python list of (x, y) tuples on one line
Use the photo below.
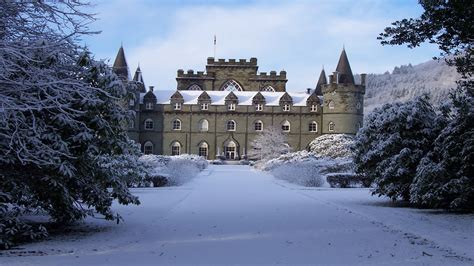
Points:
[(392, 142), (63, 146), (176, 170), (444, 177), (332, 145)]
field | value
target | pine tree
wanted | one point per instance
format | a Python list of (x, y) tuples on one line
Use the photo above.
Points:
[(392, 142)]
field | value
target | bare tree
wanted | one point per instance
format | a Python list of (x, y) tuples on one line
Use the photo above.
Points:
[(269, 144)]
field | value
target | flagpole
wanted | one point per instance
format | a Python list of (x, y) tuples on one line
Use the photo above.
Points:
[(215, 43)]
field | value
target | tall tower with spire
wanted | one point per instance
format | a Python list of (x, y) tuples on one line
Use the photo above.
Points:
[(343, 110), (120, 66)]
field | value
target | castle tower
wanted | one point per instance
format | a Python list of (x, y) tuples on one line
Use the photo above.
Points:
[(343, 110), (120, 66)]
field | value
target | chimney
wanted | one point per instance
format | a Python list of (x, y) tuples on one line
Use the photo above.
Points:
[(336, 77), (362, 79), (151, 88)]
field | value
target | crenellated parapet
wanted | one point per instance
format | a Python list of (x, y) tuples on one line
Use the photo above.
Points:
[(190, 74), (272, 76), (212, 62)]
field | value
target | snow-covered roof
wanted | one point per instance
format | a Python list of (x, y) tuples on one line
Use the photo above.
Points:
[(218, 97)]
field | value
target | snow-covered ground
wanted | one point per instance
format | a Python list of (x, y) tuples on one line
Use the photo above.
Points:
[(237, 215)]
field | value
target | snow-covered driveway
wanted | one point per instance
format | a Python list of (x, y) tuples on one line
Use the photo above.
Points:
[(236, 215)]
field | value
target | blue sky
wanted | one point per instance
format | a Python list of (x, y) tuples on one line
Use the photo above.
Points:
[(297, 36)]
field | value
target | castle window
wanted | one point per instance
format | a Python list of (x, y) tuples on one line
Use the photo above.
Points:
[(131, 124), (175, 148), (314, 108), (268, 88), (258, 125), (148, 124), (331, 105), (204, 106), (204, 125), (230, 125), (131, 102), (176, 124), (331, 126), (149, 106), (231, 107), (177, 106), (258, 107), (313, 126), (148, 148), (203, 150), (358, 105), (194, 87), (286, 107), (285, 126), (231, 85)]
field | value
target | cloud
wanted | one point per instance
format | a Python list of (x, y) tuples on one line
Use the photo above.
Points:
[(296, 36)]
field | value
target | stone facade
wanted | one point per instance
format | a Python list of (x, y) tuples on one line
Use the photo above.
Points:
[(219, 112)]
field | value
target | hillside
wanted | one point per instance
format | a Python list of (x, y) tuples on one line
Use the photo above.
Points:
[(406, 82)]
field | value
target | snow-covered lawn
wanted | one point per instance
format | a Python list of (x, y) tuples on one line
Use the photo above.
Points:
[(237, 215)]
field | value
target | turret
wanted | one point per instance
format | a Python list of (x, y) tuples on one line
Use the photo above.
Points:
[(120, 66), (343, 110), (321, 81), (138, 78)]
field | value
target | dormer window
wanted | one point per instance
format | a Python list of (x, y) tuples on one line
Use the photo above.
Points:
[(258, 107), (204, 106), (177, 106), (231, 107), (314, 108), (286, 107), (131, 102), (149, 106)]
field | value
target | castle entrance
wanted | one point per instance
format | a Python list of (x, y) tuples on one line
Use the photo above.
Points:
[(230, 150)]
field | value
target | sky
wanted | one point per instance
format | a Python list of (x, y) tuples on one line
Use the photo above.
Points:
[(299, 37)]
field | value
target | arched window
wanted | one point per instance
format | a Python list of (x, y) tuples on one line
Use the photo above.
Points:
[(203, 149), (194, 87), (285, 126), (175, 148), (258, 125), (268, 88), (231, 125), (313, 126), (331, 105), (203, 125), (176, 124), (231, 85), (148, 124), (148, 147), (331, 126), (358, 105)]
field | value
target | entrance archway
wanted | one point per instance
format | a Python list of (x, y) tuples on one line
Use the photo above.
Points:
[(231, 150)]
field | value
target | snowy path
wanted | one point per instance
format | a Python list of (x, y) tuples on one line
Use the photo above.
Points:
[(235, 215)]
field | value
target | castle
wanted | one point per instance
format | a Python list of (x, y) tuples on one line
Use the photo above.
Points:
[(217, 113)]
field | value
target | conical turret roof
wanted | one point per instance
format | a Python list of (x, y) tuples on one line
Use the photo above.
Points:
[(138, 77), (344, 69), (120, 66), (321, 81)]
